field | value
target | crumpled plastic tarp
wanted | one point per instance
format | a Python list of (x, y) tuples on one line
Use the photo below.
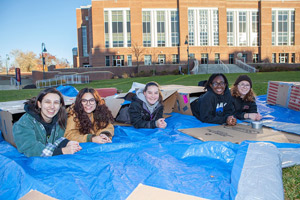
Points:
[(163, 158)]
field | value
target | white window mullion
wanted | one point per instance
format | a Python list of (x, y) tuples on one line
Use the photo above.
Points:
[(210, 28), (236, 28), (289, 27), (248, 27), (153, 29), (276, 28), (124, 27), (168, 28), (110, 29), (196, 32)]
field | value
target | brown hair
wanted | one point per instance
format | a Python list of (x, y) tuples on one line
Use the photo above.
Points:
[(250, 96), (61, 114), (102, 115), (153, 83)]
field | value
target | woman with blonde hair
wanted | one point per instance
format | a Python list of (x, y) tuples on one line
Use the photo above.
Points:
[(244, 99)]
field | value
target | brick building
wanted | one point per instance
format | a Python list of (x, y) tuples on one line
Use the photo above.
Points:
[(120, 32)]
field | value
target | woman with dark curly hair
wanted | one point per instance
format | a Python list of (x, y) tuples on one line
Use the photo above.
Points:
[(244, 99), (215, 106), (40, 131), (89, 119)]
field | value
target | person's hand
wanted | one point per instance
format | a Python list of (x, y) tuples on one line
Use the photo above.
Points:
[(254, 116), (160, 123), (101, 139), (231, 120), (71, 148)]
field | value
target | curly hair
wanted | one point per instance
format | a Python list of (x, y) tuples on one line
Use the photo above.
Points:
[(102, 115), (62, 115), (250, 96)]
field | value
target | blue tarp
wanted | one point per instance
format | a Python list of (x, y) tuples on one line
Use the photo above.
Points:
[(163, 158)]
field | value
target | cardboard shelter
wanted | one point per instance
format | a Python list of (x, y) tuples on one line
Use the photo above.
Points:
[(286, 94), (185, 96), (239, 133)]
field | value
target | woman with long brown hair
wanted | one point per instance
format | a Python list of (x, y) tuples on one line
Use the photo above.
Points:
[(40, 131), (89, 119), (244, 99)]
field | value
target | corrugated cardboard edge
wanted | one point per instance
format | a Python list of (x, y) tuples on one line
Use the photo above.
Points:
[(6, 124), (36, 195), (145, 192)]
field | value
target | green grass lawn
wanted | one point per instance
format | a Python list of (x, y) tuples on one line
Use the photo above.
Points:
[(291, 176)]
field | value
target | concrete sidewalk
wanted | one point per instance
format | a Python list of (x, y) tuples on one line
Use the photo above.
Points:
[(5, 84)]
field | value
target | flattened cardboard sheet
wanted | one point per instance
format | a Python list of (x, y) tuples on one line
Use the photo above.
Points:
[(145, 192), (239, 133), (36, 195)]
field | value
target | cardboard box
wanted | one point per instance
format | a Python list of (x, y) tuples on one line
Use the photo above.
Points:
[(239, 133), (36, 195), (115, 103), (286, 94), (185, 96), (144, 192), (105, 92)]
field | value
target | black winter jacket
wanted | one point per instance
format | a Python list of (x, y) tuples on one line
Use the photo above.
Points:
[(140, 116), (241, 107), (213, 108)]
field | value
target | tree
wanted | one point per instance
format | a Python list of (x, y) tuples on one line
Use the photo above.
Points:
[(49, 60), (26, 61), (138, 51), (62, 63), (1, 66)]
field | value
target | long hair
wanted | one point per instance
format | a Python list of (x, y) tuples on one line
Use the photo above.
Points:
[(250, 96), (102, 115), (212, 77), (62, 116), (153, 83)]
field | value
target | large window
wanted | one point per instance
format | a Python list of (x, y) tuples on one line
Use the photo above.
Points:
[(174, 28), (117, 28), (147, 60), (161, 37), (255, 58), (231, 58), (146, 29), (107, 61), (204, 58), (273, 57), (242, 27), (129, 60), (217, 58), (283, 58), (283, 27), (160, 27), (203, 26), (175, 59), (84, 41)]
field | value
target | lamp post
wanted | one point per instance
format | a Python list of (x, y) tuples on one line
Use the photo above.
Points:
[(44, 50), (7, 58), (188, 52)]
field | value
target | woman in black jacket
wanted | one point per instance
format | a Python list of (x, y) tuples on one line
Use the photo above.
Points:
[(215, 106), (244, 99), (146, 109)]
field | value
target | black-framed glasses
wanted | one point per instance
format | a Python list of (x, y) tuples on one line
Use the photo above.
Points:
[(215, 84), (91, 101)]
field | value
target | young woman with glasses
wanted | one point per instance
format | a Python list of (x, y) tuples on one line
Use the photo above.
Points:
[(89, 119), (215, 106), (244, 99), (40, 131)]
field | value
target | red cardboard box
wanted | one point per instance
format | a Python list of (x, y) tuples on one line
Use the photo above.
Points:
[(286, 94)]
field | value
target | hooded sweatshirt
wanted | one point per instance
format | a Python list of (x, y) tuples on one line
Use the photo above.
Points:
[(213, 108), (142, 114), (34, 137)]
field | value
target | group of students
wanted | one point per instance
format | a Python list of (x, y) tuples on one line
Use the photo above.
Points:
[(48, 129)]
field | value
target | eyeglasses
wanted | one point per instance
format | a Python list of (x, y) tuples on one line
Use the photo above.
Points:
[(215, 84), (244, 85), (85, 101)]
